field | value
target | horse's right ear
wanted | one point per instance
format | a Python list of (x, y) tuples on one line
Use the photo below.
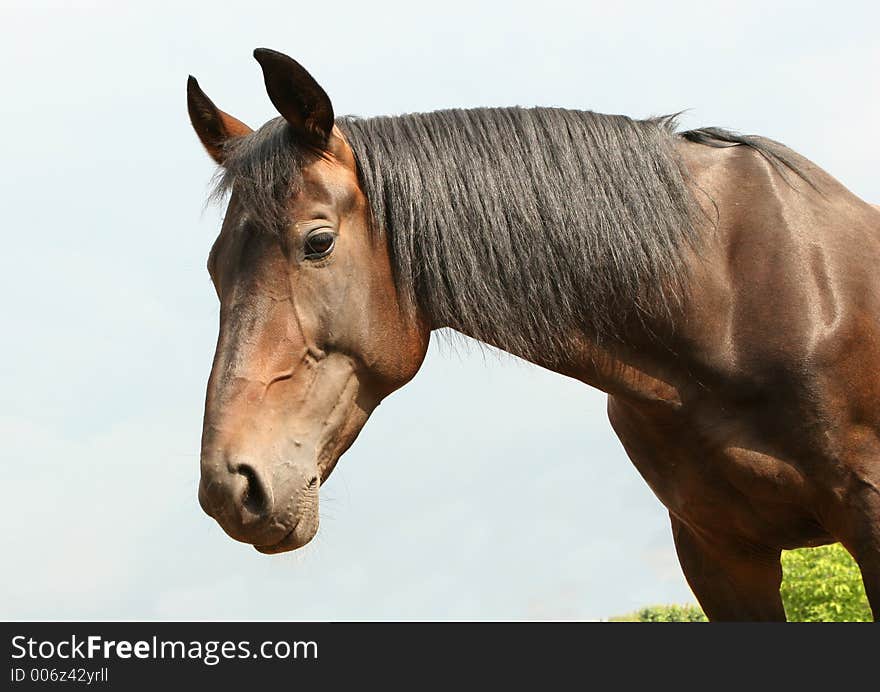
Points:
[(297, 96), (214, 127)]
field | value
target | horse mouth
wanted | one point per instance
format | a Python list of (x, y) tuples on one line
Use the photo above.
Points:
[(280, 546), (290, 541)]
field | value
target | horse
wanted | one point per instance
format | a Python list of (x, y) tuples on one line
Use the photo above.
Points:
[(719, 287)]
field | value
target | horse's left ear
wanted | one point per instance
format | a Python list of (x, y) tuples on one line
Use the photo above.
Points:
[(214, 127), (297, 96)]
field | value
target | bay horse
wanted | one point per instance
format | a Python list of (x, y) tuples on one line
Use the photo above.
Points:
[(720, 288)]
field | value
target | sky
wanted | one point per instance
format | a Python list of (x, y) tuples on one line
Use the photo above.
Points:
[(485, 489)]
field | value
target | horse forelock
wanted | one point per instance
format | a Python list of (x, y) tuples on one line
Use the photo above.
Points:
[(264, 171)]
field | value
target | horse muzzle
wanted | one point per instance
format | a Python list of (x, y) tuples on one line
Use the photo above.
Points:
[(273, 507)]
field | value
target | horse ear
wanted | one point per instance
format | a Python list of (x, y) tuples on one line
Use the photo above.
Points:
[(297, 96), (213, 126)]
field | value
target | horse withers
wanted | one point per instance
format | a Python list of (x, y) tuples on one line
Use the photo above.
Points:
[(720, 288)]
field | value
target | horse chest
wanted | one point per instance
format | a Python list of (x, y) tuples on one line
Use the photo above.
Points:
[(732, 488)]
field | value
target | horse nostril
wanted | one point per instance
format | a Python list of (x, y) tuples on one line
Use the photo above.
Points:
[(255, 498)]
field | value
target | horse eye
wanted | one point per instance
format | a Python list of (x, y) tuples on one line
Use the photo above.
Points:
[(319, 244)]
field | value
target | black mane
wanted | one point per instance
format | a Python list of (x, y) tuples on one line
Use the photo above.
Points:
[(525, 227), (520, 227)]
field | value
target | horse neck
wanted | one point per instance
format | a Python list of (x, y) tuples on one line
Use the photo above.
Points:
[(638, 364), (639, 368)]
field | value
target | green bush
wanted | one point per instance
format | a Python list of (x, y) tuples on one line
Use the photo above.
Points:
[(818, 585), (664, 613), (823, 585)]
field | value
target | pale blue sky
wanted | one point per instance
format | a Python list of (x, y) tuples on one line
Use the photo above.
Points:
[(487, 488)]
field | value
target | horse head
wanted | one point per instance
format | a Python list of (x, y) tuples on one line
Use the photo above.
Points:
[(313, 334)]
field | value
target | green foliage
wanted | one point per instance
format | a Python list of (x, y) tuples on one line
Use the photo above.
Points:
[(823, 585), (664, 613), (818, 585)]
